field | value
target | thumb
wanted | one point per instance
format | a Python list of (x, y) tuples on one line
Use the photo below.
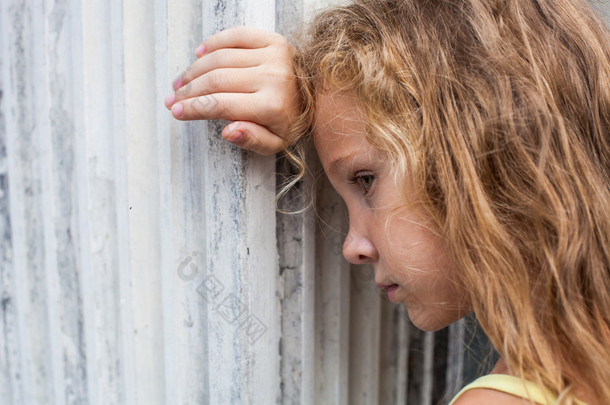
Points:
[(254, 137)]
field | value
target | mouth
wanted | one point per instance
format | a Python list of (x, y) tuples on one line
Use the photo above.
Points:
[(390, 289)]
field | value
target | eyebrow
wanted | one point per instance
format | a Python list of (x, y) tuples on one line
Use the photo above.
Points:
[(340, 160)]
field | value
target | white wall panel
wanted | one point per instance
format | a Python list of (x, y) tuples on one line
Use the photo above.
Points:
[(141, 259), (393, 354), (35, 370), (332, 300), (183, 148), (11, 374), (364, 336), (100, 154)]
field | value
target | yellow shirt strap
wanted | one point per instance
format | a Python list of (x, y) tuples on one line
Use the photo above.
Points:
[(510, 385)]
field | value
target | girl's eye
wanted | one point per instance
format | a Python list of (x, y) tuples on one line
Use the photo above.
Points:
[(365, 182)]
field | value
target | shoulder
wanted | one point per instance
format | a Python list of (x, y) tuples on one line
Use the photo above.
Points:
[(480, 396), (502, 389)]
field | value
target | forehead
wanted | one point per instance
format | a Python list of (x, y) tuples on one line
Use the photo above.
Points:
[(339, 126), (335, 109)]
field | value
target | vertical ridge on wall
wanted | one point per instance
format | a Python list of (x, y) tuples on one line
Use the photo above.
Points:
[(82, 230), (261, 328), (296, 235), (241, 318), (332, 299), (394, 354), (455, 357), (100, 60), (173, 389), (10, 366), (117, 388), (61, 279), (223, 205), (364, 336), (144, 194), (296, 290), (188, 153), (25, 209), (427, 366)]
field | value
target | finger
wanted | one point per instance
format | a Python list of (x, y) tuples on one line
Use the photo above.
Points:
[(254, 137), (218, 81), (222, 58), (238, 37), (226, 106)]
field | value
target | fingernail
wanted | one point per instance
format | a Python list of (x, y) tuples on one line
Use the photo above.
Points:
[(170, 100), (177, 110), (177, 83), (200, 50), (235, 134)]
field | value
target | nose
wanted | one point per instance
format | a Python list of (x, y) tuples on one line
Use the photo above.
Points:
[(358, 249)]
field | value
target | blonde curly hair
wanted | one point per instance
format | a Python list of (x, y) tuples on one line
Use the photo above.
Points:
[(499, 110)]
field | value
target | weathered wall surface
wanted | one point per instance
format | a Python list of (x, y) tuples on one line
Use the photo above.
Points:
[(141, 259)]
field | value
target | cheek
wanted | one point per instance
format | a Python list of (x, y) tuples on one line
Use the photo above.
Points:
[(417, 244)]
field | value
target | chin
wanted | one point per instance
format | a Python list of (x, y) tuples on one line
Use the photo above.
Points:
[(429, 321)]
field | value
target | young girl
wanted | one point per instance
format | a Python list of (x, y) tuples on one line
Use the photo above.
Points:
[(470, 140)]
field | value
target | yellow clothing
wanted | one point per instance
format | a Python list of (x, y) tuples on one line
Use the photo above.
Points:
[(511, 385)]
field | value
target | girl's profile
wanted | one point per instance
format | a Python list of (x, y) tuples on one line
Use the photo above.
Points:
[(470, 141)]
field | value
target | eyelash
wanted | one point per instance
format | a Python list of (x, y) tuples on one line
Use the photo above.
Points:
[(358, 179)]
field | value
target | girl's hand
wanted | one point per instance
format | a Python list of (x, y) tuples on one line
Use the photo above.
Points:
[(245, 75)]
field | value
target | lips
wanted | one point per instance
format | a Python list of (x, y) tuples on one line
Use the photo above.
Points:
[(390, 289)]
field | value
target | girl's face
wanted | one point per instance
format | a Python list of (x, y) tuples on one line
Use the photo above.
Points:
[(409, 255)]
